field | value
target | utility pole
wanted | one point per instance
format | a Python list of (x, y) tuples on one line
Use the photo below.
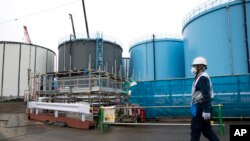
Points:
[(85, 16), (73, 27)]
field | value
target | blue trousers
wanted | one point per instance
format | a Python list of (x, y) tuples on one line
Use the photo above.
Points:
[(199, 125)]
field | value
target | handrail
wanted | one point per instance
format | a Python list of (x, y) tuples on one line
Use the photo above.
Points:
[(81, 82), (203, 8), (105, 37), (157, 36)]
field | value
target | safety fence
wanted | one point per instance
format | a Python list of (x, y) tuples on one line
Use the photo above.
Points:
[(233, 92), (135, 115)]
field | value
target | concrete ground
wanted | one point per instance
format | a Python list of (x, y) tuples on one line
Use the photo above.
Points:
[(16, 127)]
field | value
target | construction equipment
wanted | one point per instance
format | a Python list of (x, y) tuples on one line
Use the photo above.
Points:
[(131, 114), (26, 35), (85, 17)]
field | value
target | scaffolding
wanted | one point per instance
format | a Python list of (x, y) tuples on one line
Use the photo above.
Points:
[(98, 88)]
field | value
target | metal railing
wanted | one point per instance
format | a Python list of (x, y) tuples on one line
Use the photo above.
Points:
[(93, 36), (88, 83), (157, 36), (203, 8), (79, 82)]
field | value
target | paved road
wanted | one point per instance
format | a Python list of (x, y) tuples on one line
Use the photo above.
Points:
[(16, 127)]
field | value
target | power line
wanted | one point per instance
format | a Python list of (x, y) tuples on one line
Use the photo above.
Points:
[(39, 12)]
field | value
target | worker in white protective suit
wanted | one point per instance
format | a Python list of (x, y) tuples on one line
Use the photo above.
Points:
[(202, 94)]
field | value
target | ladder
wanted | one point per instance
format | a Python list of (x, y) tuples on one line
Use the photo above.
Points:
[(99, 51)]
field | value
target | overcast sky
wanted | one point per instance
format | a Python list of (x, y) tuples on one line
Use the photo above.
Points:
[(125, 20)]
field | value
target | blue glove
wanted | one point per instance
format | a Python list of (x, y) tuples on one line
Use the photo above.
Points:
[(206, 116)]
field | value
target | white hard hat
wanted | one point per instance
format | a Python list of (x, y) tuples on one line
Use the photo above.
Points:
[(199, 61)]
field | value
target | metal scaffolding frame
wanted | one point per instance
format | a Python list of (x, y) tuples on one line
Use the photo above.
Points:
[(98, 88)]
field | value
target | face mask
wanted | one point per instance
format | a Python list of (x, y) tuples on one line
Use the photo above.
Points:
[(194, 70)]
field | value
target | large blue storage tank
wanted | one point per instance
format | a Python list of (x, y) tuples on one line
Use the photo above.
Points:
[(157, 57), (219, 31)]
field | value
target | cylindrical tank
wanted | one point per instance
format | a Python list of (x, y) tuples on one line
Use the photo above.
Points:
[(78, 53), (157, 57), (125, 67), (15, 60), (220, 32)]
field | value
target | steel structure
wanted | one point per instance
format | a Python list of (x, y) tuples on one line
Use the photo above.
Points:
[(94, 87)]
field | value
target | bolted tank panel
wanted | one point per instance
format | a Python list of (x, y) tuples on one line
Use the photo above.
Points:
[(112, 58), (82, 50), (219, 34), (157, 59), (140, 58)]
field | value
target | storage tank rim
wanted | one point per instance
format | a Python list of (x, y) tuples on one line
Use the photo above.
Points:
[(77, 40), (156, 40), (13, 42), (189, 20)]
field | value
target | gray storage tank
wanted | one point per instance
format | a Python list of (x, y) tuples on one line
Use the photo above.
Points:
[(76, 54)]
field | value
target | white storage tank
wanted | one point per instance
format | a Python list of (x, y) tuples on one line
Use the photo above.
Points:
[(15, 60)]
